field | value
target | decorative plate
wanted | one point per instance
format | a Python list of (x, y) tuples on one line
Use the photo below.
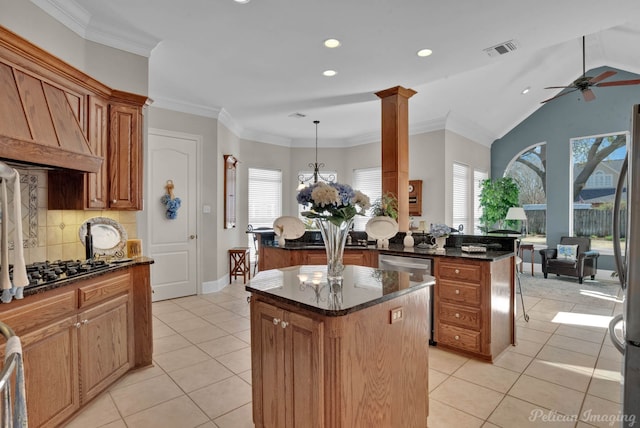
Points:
[(288, 227), (382, 227), (109, 237)]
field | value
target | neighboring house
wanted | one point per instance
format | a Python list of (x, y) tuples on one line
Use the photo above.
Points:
[(600, 188)]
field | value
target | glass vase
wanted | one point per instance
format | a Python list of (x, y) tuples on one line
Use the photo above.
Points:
[(335, 238)]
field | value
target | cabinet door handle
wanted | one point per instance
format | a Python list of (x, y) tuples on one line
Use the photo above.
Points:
[(276, 321), (456, 337), (77, 325), (84, 322), (457, 315), (457, 291), (284, 324), (457, 271), (114, 201)]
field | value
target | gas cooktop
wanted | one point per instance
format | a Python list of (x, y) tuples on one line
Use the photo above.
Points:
[(44, 273)]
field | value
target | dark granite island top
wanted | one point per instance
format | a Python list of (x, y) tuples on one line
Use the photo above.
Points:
[(362, 287)]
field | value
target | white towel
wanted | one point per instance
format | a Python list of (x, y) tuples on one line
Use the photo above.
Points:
[(5, 281), (20, 278)]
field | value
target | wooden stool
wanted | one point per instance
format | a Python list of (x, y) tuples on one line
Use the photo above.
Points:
[(239, 263)]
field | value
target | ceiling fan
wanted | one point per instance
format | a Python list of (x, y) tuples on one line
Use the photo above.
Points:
[(584, 83)]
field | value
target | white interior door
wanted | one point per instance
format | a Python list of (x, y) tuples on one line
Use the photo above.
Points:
[(172, 243)]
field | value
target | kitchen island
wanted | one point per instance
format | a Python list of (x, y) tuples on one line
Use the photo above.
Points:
[(350, 356)]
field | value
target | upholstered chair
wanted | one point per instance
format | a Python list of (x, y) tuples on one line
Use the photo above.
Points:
[(572, 257)]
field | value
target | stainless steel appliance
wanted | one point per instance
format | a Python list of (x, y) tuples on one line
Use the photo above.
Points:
[(628, 270), (417, 267)]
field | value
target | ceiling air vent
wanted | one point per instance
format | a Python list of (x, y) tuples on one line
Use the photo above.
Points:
[(502, 48)]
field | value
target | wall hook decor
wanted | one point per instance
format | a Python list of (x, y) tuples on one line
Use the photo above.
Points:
[(170, 201)]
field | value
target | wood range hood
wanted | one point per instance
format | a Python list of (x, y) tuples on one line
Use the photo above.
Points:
[(44, 119)]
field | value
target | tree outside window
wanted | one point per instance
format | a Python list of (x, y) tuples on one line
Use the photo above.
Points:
[(529, 170), (596, 163)]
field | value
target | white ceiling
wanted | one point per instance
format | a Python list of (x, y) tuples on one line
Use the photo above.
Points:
[(257, 63)]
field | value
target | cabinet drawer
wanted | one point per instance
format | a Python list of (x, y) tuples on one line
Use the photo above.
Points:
[(460, 272), (468, 294), (103, 289), (457, 337), (459, 315), (33, 315)]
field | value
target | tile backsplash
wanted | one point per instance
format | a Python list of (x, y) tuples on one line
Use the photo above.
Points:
[(58, 237)]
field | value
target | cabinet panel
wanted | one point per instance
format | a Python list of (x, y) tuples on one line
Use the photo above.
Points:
[(51, 353), (125, 157), (468, 294), (460, 315), (106, 350), (267, 366), (304, 384), (27, 317), (103, 289), (97, 183), (461, 338), (460, 272)]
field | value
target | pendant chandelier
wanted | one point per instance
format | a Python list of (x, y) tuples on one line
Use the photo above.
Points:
[(316, 168)]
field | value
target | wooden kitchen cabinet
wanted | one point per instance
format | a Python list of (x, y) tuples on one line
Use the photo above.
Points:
[(287, 362), (357, 370), (115, 133), (276, 258), (51, 353), (474, 312), (125, 157), (97, 184), (79, 339)]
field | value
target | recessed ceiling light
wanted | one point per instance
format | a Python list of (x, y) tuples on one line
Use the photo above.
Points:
[(332, 43), (526, 90), (424, 52), (242, 1), (329, 73)]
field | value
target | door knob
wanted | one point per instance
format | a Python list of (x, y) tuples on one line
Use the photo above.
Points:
[(193, 236)]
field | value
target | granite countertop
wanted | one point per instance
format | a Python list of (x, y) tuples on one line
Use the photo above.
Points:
[(362, 287), (400, 250), (115, 266)]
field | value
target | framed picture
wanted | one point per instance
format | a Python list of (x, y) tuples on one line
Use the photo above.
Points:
[(230, 163), (415, 197)]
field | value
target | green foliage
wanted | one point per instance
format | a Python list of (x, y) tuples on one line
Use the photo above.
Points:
[(496, 197), (386, 206)]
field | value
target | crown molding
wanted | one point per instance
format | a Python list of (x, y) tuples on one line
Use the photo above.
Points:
[(183, 107), (79, 20), (67, 12)]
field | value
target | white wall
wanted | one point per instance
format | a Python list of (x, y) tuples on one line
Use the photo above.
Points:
[(462, 150), (113, 67)]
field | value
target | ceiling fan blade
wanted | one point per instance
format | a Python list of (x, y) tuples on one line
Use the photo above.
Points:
[(620, 83), (602, 76), (559, 95), (588, 95), (559, 87)]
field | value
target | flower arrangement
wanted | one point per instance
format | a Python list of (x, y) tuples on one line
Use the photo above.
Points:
[(386, 205), (333, 201), (439, 230), (170, 202)]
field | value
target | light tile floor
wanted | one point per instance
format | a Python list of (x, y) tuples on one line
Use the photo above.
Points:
[(558, 375)]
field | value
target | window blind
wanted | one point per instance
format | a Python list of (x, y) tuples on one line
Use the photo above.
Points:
[(461, 196), (265, 196), (478, 178), (369, 182)]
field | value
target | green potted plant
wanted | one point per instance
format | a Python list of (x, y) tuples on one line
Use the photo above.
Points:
[(496, 197), (385, 206)]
